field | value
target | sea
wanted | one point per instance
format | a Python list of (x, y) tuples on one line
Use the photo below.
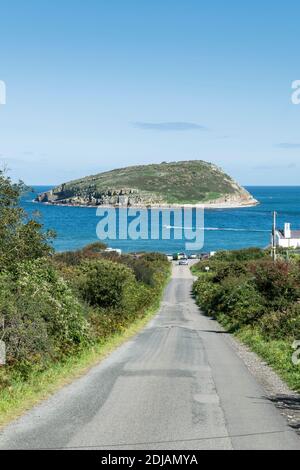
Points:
[(223, 229)]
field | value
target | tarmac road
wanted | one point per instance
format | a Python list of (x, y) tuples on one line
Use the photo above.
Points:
[(178, 384)]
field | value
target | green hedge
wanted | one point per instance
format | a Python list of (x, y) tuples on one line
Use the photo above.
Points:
[(258, 300), (55, 305), (242, 290)]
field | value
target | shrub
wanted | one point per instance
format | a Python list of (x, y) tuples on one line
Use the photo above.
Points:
[(103, 283), (159, 258), (21, 238), (282, 324), (207, 294), (234, 298), (240, 301), (54, 305), (74, 258), (143, 270), (222, 270), (25, 331), (146, 266), (42, 316), (276, 281), (245, 254), (252, 292)]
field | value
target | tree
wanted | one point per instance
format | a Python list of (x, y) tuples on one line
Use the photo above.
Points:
[(21, 237)]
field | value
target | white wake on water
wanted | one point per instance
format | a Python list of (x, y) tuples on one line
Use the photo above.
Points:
[(225, 229)]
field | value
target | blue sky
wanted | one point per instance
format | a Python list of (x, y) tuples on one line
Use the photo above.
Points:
[(96, 85)]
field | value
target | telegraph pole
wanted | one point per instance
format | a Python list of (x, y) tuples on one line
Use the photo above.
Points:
[(274, 237)]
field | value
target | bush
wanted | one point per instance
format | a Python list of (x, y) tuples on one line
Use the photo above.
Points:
[(245, 254), (227, 263), (25, 331), (222, 270), (144, 271), (240, 301), (42, 316), (55, 304), (207, 294), (103, 283), (111, 285), (234, 298), (276, 281), (282, 324), (74, 258), (146, 266), (251, 292), (21, 238)]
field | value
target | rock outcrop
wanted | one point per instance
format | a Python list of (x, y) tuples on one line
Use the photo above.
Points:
[(123, 197)]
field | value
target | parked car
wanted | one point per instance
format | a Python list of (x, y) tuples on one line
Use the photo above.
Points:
[(178, 256), (183, 262)]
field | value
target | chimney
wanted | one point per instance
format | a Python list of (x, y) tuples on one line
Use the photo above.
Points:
[(287, 230)]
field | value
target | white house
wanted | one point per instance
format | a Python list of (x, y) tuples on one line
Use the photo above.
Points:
[(113, 250), (287, 238)]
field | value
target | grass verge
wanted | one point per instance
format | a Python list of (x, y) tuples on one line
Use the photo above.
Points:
[(276, 353), (21, 396)]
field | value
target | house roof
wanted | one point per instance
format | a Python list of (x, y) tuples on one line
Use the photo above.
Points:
[(294, 233)]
